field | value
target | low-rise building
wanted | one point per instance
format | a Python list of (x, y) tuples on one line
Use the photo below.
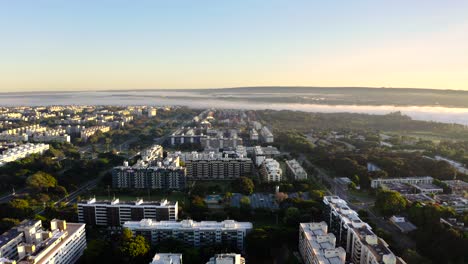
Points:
[(317, 246), (115, 213), (196, 234), (151, 171), (376, 183), (295, 171)]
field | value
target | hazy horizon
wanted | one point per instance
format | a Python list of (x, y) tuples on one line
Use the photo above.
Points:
[(120, 45), (226, 88)]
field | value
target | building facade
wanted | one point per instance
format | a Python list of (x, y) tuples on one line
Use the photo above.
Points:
[(295, 171), (271, 171), (376, 183), (115, 213), (196, 234), (215, 166)]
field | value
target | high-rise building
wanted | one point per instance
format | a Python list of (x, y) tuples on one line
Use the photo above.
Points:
[(215, 165), (29, 243), (317, 246), (152, 171), (295, 171), (356, 236), (196, 234), (115, 213)]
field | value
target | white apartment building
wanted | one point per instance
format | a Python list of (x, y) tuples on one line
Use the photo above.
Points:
[(258, 155), (85, 133), (115, 213), (227, 258), (152, 112), (367, 248), (22, 151), (295, 171), (253, 134), (267, 136), (215, 165), (376, 183), (64, 243), (204, 233), (257, 125), (317, 246), (270, 171), (355, 235), (167, 258)]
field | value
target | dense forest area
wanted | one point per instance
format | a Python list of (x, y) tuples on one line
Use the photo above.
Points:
[(394, 122)]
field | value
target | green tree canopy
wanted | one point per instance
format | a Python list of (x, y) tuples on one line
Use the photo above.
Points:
[(41, 180), (390, 202), (245, 185)]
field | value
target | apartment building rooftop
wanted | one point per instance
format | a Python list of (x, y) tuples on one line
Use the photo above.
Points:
[(320, 244), (138, 202), (167, 258), (188, 224), (50, 246)]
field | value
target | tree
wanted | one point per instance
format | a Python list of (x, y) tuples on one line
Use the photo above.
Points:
[(133, 247), (245, 202), (41, 180), (245, 185), (281, 196), (7, 223), (390, 202), (292, 216)]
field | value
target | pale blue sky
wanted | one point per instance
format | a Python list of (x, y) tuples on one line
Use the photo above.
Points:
[(92, 44)]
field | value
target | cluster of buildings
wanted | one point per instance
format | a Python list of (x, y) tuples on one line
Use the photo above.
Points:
[(408, 185), (422, 189), (30, 243), (260, 132), (171, 170), (153, 171), (209, 139), (35, 133), (85, 132), (22, 151), (342, 238)]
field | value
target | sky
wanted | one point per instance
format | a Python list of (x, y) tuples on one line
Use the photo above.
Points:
[(147, 44)]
